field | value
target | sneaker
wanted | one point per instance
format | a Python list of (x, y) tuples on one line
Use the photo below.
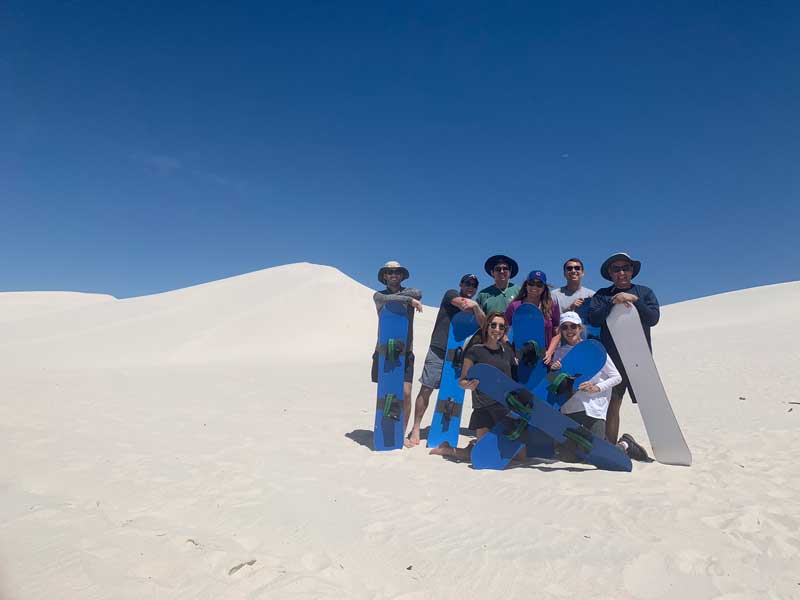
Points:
[(635, 450)]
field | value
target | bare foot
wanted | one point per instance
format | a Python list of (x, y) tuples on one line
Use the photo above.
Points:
[(413, 438), (444, 449)]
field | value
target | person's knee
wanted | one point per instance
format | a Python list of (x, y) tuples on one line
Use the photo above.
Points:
[(425, 392)]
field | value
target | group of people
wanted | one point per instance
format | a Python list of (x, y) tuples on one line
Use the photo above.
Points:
[(566, 310)]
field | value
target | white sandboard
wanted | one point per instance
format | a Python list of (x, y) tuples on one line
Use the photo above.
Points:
[(666, 438)]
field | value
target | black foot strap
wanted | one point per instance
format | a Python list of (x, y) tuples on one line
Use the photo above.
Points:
[(456, 356), (581, 436), (520, 401), (391, 406), (562, 384), (530, 353), (449, 408), (515, 428), (392, 349)]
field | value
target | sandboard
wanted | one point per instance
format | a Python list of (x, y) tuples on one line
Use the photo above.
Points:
[(389, 412), (666, 438), (446, 421)]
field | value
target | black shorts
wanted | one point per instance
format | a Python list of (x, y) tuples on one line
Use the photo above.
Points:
[(596, 426), (408, 376), (487, 416)]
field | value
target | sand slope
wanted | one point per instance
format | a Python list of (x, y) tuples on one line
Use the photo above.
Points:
[(172, 446)]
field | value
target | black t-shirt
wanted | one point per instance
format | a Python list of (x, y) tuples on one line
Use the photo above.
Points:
[(441, 329), (502, 359)]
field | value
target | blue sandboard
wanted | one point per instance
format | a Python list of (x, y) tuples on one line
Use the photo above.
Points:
[(539, 413), (389, 415), (582, 363), (447, 415), (528, 340), (529, 343)]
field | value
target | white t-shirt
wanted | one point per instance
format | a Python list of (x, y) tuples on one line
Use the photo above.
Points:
[(595, 405)]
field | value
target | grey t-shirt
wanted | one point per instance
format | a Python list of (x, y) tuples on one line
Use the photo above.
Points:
[(564, 298)]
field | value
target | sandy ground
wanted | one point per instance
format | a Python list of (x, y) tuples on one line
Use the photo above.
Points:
[(175, 446)]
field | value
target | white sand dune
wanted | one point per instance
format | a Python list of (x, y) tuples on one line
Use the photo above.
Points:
[(213, 442)]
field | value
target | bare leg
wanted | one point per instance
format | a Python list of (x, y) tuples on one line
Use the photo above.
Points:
[(459, 453), (612, 416), (406, 404), (420, 406)]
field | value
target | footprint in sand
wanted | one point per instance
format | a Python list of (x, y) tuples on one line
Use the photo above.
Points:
[(377, 531), (312, 561)]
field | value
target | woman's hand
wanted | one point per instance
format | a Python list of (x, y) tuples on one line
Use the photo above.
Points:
[(468, 384), (548, 356), (556, 365), (587, 386)]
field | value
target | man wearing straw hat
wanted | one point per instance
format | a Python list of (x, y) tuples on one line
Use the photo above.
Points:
[(392, 274)]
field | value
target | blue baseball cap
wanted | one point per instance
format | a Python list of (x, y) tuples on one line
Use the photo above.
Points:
[(537, 275)]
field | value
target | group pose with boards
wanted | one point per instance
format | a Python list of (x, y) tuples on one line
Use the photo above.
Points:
[(547, 368)]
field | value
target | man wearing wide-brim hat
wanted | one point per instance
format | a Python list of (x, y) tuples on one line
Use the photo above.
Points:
[(392, 274), (499, 295), (620, 269)]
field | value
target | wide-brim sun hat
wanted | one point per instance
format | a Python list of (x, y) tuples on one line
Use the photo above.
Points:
[(392, 264), (498, 258), (637, 265)]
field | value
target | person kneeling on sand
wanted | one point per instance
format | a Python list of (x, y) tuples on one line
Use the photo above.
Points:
[(452, 303), (485, 411), (588, 406)]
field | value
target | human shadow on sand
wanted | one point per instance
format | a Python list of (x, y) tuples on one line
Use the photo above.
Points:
[(363, 437)]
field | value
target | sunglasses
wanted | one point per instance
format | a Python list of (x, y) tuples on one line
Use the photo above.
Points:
[(393, 271), (573, 268), (570, 326), (535, 283), (468, 284), (501, 269), (500, 326), (618, 268)]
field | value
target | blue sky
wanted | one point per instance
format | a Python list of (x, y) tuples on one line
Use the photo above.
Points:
[(151, 146)]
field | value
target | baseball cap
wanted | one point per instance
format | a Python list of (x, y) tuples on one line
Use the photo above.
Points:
[(570, 317)]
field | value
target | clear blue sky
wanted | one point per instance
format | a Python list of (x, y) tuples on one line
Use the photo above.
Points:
[(148, 146)]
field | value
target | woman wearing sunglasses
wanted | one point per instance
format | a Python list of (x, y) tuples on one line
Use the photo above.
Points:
[(485, 411), (589, 404), (536, 291)]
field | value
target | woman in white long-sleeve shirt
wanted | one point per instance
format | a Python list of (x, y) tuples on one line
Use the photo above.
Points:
[(589, 405)]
